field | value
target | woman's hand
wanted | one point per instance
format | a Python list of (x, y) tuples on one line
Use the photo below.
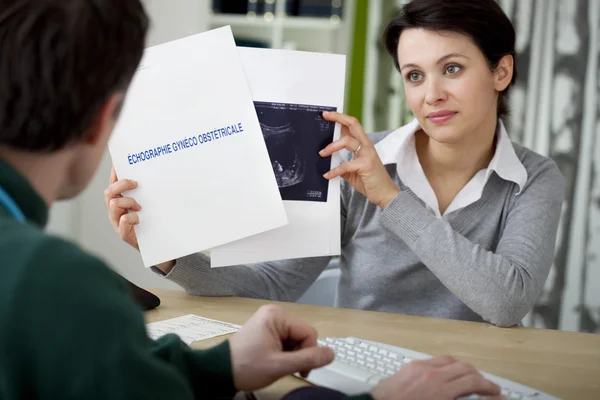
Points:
[(365, 172), (122, 210)]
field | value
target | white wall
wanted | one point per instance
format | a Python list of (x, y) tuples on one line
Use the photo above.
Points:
[(174, 19), (85, 219)]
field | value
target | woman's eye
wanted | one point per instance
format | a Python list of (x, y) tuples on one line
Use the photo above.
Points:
[(452, 69), (414, 76)]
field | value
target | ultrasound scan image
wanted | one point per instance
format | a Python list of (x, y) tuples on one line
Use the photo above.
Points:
[(294, 134)]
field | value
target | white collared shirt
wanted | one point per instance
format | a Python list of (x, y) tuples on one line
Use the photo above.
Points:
[(399, 147)]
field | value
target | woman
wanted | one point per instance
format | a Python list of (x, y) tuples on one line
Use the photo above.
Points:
[(443, 217)]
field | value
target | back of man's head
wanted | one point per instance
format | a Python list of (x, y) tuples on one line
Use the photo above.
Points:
[(60, 61)]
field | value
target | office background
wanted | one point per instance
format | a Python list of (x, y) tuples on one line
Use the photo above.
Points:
[(555, 111)]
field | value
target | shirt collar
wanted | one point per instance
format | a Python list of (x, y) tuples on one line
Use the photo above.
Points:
[(399, 148), (399, 143), (505, 162), (23, 194)]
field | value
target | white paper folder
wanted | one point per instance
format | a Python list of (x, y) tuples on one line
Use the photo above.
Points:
[(189, 134), (294, 80)]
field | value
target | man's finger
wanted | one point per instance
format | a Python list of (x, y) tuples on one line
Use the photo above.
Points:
[(456, 370), (303, 360), (472, 384), (439, 361), (301, 333)]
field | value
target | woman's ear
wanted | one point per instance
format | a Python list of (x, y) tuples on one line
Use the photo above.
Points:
[(504, 72)]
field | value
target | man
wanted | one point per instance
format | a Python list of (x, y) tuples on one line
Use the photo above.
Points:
[(68, 328)]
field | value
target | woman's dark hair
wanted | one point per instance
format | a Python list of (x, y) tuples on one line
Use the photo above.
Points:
[(482, 20), (60, 60)]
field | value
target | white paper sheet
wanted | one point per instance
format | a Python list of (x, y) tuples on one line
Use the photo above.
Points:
[(208, 194), (293, 77), (191, 328)]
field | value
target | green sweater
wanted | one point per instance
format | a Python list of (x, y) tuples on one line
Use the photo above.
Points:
[(69, 329)]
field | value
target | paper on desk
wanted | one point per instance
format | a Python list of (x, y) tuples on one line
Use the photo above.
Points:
[(295, 80), (209, 180), (191, 328)]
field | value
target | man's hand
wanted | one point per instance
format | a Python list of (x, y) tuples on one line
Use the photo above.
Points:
[(438, 378), (273, 344)]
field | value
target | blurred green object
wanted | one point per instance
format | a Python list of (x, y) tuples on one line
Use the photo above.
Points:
[(357, 66)]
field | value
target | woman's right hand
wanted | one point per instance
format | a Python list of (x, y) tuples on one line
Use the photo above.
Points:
[(122, 210)]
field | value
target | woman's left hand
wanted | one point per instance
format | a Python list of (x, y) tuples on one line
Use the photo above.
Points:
[(365, 172)]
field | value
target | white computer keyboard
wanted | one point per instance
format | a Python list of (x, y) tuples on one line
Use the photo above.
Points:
[(360, 364)]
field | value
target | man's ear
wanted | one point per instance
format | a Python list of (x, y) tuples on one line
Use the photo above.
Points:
[(504, 72), (105, 118)]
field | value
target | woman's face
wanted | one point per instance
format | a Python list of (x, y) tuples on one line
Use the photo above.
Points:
[(449, 85)]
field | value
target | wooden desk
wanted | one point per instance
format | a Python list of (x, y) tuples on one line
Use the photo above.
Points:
[(565, 364)]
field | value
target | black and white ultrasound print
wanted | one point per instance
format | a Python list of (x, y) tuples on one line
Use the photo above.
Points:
[(294, 135)]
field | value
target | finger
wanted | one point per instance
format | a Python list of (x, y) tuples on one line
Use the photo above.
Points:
[(355, 129), (113, 176), (116, 189), (300, 333), (303, 360), (126, 223), (456, 370), (438, 362), (472, 384), (345, 168), (346, 142), (118, 206)]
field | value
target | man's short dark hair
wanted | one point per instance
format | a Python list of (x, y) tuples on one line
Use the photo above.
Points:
[(60, 61)]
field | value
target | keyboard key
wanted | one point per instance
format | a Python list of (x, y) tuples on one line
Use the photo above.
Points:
[(373, 349), (374, 380), (351, 341), (393, 356), (351, 353), (350, 371), (407, 360), (515, 396), (383, 352), (363, 345)]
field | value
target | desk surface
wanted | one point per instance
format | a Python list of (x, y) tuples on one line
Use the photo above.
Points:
[(565, 364)]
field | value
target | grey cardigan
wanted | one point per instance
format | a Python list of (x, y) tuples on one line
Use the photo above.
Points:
[(488, 263)]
